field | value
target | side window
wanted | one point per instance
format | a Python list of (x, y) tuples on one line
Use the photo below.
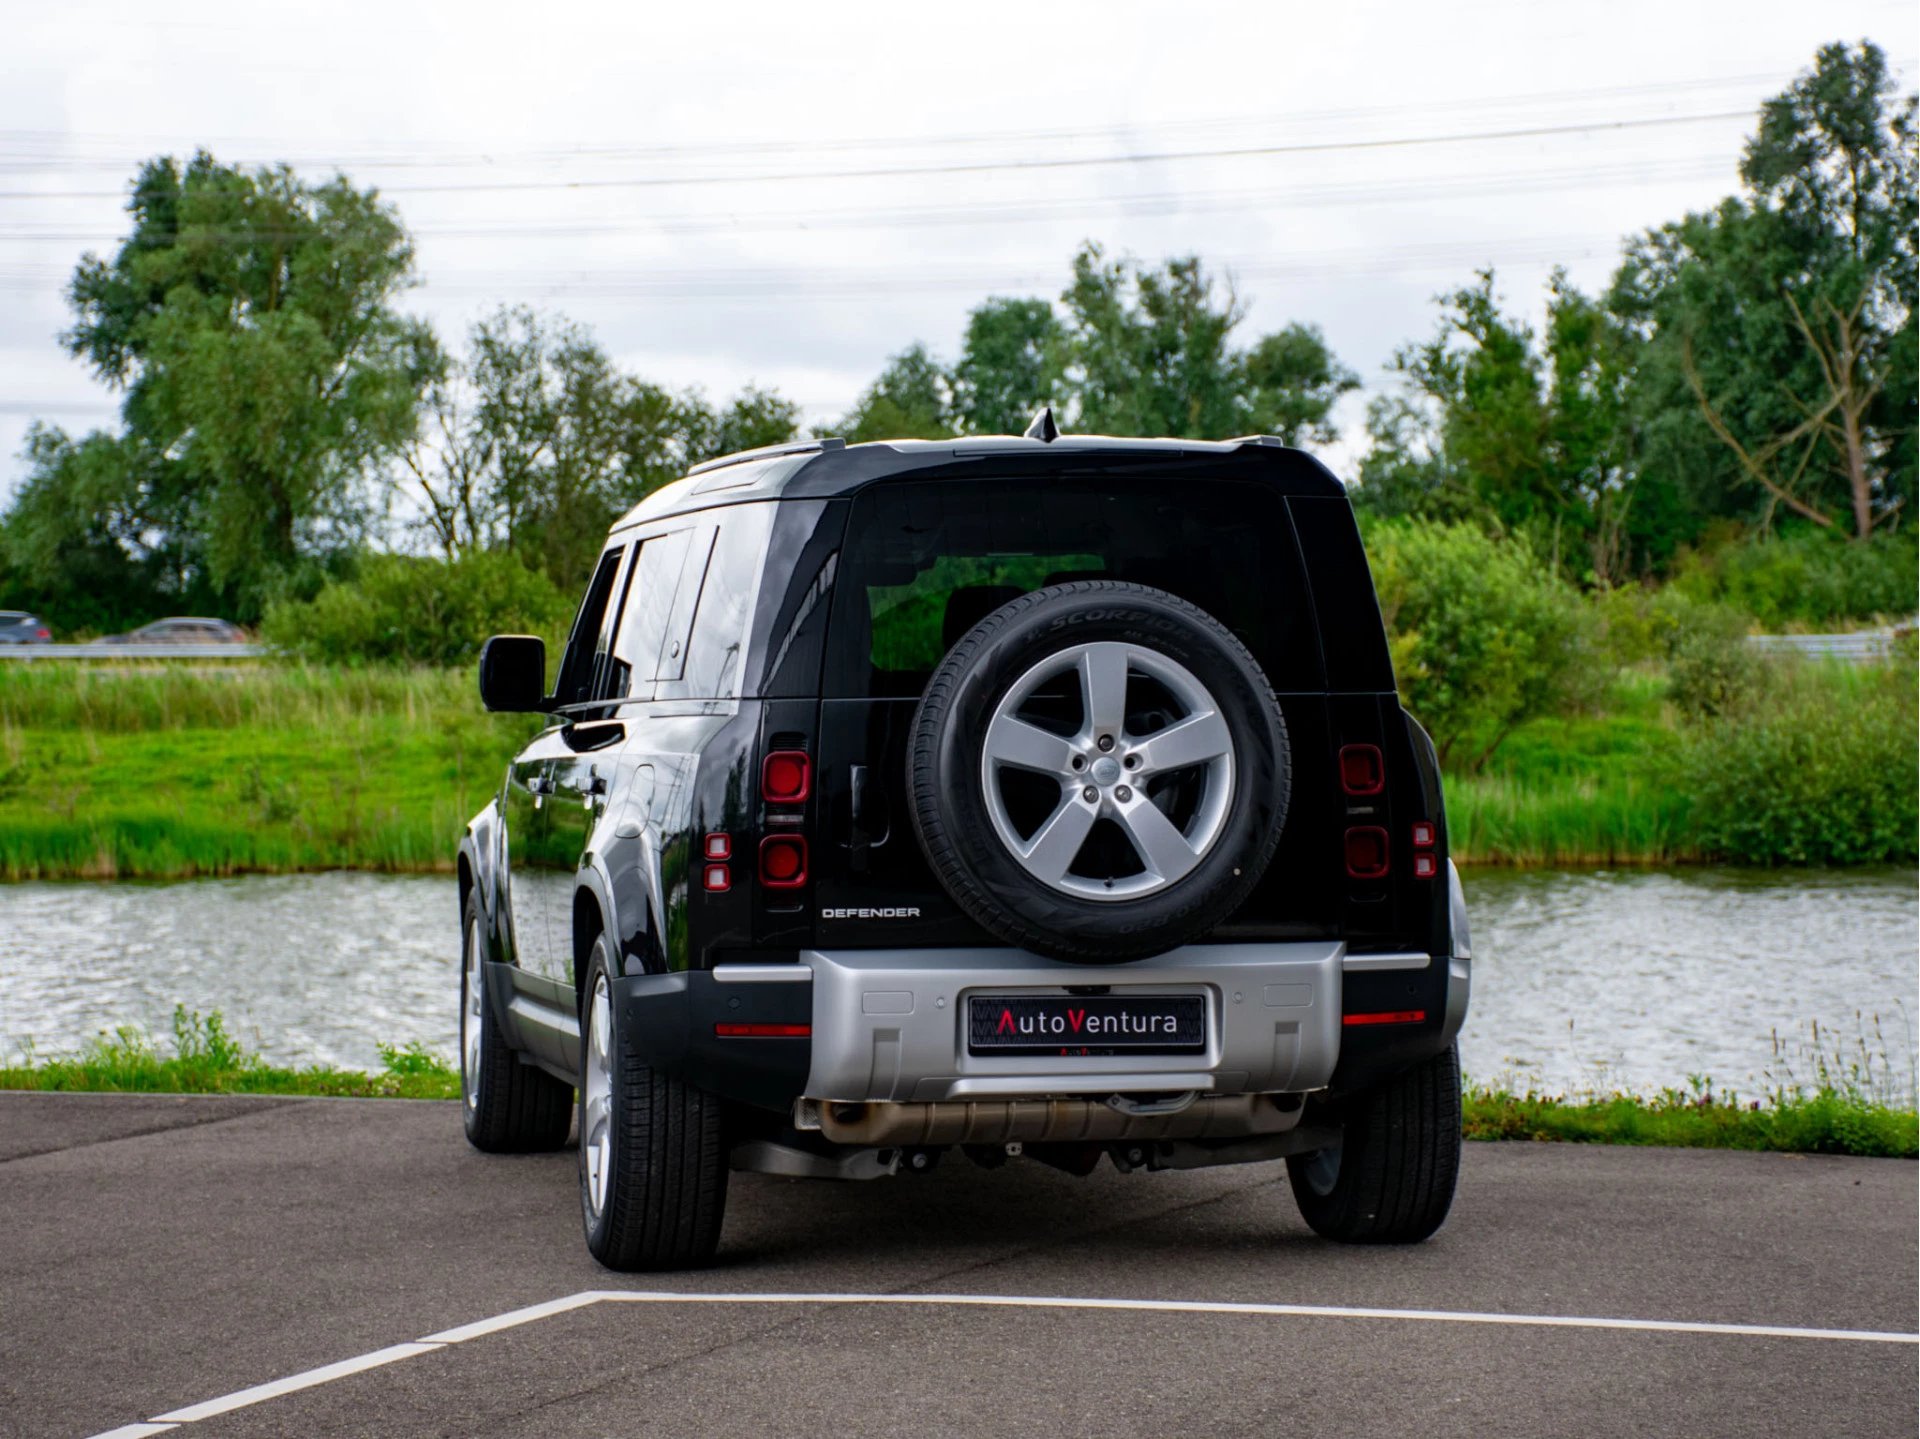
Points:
[(716, 649), (686, 598), (575, 682), (651, 596)]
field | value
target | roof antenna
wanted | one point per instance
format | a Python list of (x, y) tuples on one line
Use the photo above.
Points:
[(1043, 428)]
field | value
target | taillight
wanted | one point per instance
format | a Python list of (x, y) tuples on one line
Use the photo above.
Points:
[(763, 1031), (1367, 852), (1362, 770), (716, 875), (1426, 864), (1386, 1016), (786, 777), (783, 861), (43, 634)]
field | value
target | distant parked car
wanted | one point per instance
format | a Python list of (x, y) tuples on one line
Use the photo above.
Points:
[(17, 627), (182, 630)]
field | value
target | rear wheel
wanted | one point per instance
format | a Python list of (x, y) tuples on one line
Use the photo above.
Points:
[(1391, 1179), (510, 1107), (653, 1168), (1099, 772)]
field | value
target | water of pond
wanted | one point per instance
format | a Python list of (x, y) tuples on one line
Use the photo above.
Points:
[(1627, 979)]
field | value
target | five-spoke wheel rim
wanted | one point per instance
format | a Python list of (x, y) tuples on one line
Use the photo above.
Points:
[(596, 1103), (472, 1020), (1108, 771)]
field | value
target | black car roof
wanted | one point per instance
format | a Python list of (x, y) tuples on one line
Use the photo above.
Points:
[(816, 469)]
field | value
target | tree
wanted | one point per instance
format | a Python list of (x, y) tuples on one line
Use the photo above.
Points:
[(536, 441), (1293, 382), (1516, 432), (1779, 328), (911, 400), (91, 540), (751, 420), (1009, 366), (268, 379), (1129, 351), (1147, 350)]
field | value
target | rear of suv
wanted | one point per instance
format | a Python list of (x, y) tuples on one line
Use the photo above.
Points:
[(1038, 797)]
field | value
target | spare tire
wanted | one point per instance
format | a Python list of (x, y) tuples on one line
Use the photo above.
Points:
[(1099, 772)]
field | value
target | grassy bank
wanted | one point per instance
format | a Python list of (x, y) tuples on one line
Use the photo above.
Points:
[(1823, 1122), (174, 770), (205, 1059), (160, 771), (1833, 1117)]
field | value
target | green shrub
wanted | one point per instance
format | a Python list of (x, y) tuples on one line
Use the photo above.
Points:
[(402, 609), (1485, 636), (1818, 767), (1702, 645), (1808, 579)]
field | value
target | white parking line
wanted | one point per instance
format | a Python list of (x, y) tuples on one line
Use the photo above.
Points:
[(533, 1313)]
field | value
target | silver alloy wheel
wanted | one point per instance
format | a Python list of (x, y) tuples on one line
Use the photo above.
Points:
[(1104, 770), (472, 1016), (596, 1097)]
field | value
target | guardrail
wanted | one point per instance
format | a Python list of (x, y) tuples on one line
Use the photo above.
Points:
[(1862, 648), (131, 652)]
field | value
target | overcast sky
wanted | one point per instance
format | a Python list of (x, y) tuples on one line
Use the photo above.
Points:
[(787, 194)]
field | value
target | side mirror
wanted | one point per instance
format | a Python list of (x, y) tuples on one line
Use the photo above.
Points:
[(513, 674)]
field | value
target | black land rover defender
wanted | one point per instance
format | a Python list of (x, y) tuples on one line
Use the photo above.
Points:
[(1042, 796)]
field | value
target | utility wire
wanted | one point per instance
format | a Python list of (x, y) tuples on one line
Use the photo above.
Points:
[(412, 153), (1144, 157), (1150, 203)]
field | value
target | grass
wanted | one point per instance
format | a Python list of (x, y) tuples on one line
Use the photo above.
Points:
[(1827, 1093), (160, 770), (207, 1060), (165, 771), (1823, 1122), (1847, 1112)]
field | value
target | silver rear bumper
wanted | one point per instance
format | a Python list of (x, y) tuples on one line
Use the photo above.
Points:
[(890, 1025)]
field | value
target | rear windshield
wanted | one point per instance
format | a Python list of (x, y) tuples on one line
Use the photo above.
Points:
[(926, 561)]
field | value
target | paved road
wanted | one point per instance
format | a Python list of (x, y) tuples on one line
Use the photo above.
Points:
[(160, 1252)]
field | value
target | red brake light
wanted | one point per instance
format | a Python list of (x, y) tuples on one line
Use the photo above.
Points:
[(1425, 866), (786, 777), (1423, 834), (716, 879), (1391, 1016), (718, 846), (1367, 852), (1362, 770), (763, 1031), (783, 861)]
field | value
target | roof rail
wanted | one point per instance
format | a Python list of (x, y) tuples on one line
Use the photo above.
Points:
[(767, 452)]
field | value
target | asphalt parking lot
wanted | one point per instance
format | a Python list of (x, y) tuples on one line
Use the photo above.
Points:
[(164, 1259)]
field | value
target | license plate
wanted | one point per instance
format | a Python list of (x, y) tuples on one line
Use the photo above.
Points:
[(1086, 1024)]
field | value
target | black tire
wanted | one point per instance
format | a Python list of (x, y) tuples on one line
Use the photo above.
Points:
[(950, 805), (666, 1161), (510, 1107), (1391, 1180)]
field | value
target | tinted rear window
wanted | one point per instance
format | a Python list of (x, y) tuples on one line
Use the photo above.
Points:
[(927, 561)]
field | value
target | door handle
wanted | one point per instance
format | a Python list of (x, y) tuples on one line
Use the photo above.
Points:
[(539, 784)]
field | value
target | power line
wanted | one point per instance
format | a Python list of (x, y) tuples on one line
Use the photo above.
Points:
[(414, 153), (1308, 147), (1150, 203)]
